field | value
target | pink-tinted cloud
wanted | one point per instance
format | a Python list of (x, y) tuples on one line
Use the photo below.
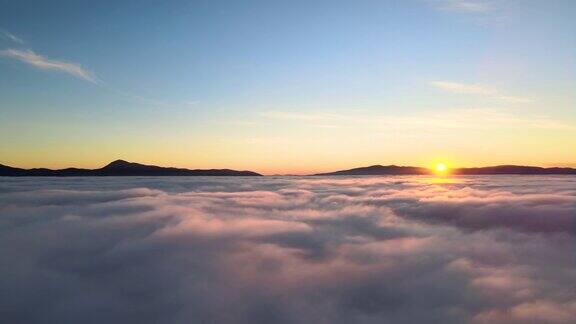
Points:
[(288, 250)]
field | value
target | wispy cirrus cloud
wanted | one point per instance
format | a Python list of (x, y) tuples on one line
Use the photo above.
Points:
[(475, 89), (465, 5), (300, 116), (480, 12), (463, 88), (476, 118), (11, 37), (43, 63)]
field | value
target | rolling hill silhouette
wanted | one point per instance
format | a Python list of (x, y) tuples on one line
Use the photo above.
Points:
[(380, 170), (125, 168), (121, 168), (408, 170)]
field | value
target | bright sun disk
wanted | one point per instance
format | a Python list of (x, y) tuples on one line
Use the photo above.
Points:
[(440, 167)]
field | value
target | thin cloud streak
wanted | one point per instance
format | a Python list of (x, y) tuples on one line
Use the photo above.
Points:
[(11, 37), (76, 70), (300, 116), (466, 5), (480, 118), (475, 89), (462, 88), (43, 63)]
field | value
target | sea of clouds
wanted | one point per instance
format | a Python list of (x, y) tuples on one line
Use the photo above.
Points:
[(484, 249)]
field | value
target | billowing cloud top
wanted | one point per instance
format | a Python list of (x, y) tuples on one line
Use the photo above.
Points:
[(288, 250)]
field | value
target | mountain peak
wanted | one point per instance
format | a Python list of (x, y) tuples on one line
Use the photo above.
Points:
[(123, 168), (381, 170), (119, 164)]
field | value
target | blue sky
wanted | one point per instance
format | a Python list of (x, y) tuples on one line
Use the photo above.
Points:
[(287, 86)]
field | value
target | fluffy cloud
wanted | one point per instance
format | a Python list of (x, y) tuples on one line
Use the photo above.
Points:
[(288, 250)]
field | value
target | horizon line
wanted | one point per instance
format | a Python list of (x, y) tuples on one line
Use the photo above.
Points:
[(561, 165)]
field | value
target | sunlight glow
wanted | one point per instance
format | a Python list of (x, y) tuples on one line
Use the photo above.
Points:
[(440, 168)]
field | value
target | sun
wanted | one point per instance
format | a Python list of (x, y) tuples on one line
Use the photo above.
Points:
[(440, 167)]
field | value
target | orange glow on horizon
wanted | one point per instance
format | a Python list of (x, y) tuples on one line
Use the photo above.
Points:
[(301, 164)]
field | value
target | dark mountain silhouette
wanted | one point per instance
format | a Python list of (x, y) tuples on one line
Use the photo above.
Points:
[(10, 171), (407, 170), (124, 168), (513, 169), (120, 168), (380, 170)]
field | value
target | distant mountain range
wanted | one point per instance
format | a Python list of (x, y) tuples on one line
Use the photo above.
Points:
[(380, 170), (408, 170), (124, 168), (120, 168)]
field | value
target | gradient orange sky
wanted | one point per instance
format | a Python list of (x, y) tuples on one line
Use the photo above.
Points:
[(289, 88)]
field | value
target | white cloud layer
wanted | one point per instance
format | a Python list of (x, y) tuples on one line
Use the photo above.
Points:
[(41, 62), (288, 250)]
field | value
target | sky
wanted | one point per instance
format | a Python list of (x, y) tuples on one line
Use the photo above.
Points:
[(287, 86)]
